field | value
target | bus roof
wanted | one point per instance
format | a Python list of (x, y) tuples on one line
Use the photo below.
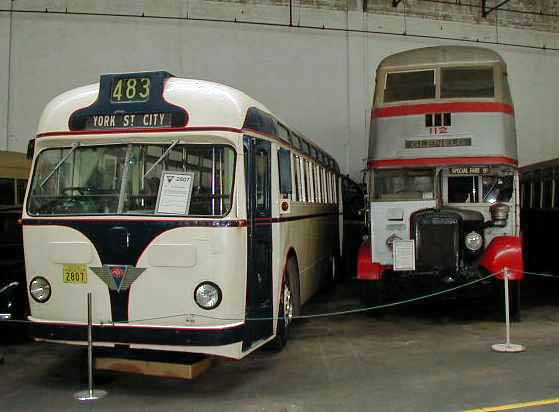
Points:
[(207, 106), (441, 55)]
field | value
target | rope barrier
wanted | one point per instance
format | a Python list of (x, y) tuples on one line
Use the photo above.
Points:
[(307, 316)]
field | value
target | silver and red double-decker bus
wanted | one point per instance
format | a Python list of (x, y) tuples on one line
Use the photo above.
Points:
[(442, 173)]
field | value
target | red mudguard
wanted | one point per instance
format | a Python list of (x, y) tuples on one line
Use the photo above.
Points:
[(366, 268), (504, 252)]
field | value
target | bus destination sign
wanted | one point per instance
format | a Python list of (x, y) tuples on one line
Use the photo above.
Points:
[(436, 143), (471, 170), (128, 121)]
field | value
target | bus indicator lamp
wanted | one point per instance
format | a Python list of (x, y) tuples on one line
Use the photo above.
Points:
[(39, 289), (207, 295)]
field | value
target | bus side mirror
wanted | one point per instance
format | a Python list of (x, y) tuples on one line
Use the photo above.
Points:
[(31, 149), (284, 162)]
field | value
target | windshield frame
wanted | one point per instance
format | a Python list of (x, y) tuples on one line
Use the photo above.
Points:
[(165, 145)]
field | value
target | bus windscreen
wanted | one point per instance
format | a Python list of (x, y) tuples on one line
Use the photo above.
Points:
[(112, 179)]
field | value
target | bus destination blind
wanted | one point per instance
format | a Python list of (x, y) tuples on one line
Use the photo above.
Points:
[(128, 121)]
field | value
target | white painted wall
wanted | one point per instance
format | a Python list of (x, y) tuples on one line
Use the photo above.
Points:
[(318, 81)]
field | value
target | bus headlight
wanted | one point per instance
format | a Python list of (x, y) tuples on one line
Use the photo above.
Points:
[(207, 295), (39, 289), (473, 241)]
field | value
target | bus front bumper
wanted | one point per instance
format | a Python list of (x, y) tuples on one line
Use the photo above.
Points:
[(113, 334)]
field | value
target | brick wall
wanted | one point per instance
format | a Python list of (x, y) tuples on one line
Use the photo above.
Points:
[(539, 15)]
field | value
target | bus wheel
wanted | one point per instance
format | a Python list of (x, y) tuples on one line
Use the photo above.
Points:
[(288, 307)]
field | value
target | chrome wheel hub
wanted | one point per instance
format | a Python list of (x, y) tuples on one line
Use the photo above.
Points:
[(287, 305)]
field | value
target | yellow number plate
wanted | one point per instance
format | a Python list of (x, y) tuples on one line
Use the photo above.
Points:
[(75, 273)]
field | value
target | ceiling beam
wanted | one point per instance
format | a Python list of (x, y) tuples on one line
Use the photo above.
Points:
[(485, 11)]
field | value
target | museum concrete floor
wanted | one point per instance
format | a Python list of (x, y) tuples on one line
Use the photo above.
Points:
[(431, 358)]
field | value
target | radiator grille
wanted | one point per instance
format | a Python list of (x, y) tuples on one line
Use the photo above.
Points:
[(437, 242)]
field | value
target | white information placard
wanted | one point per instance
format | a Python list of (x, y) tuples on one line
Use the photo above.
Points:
[(175, 191), (403, 254)]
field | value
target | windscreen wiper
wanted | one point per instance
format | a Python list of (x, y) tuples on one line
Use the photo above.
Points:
[(163, 156), (53, 171)]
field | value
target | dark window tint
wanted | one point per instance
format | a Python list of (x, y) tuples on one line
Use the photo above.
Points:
[(283, 132), (463, 189), (262, 180), (409, 86), (296, 141), (429, 120), (467, 82), (21, 186), (7, 192)]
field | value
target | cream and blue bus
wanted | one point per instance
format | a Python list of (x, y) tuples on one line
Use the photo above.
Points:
[(198, 221)]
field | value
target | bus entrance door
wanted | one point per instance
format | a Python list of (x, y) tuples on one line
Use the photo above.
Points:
[(259, 310)]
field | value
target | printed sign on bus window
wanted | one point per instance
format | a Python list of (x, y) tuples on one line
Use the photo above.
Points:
[(175, 191)]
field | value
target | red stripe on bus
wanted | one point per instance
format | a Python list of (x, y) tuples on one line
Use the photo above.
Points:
[(60, 221), (441, 161), (462, 107), (143, 130)]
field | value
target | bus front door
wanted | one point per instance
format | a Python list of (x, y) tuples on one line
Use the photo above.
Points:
[(259, 297)]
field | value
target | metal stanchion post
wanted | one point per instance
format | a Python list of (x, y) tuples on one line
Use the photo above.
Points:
[(507, 346), (90, 394)]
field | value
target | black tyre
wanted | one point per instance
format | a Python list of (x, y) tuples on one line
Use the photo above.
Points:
[(288, 307)]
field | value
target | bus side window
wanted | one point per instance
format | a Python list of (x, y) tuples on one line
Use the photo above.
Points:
[(262, 180), (284, 166), (328, 187), (302, 174), (321, 183), (318, 183), (326, 179), (297, 191), (308, 171)]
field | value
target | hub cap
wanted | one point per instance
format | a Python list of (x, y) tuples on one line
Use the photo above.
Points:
[(287, 305)]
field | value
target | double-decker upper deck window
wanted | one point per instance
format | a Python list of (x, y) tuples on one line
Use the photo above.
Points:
[(467, 82), (415, 85)]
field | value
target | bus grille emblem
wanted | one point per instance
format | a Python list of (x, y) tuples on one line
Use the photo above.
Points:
[(118, 277)]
